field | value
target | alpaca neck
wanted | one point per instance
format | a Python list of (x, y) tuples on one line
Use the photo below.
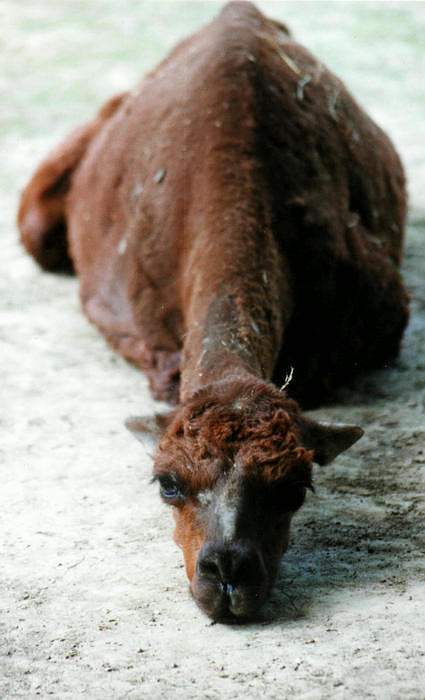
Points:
[(235, 280), (235, 328)]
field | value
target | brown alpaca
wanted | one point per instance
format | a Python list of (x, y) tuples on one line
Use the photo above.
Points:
[(235, 216)]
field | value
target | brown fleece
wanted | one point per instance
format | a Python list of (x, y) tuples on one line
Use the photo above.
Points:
[(237, 212), (236, 215)]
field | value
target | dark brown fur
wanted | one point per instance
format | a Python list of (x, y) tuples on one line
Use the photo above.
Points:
[(310, 186), (245, 420), (236, 215)]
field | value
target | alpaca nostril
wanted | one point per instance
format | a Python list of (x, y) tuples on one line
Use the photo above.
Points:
[(230, 565), (215, 564), (208, 567), (232, 580), (227, 588)]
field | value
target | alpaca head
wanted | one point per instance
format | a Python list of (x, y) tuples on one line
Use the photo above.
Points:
[(235, 462)]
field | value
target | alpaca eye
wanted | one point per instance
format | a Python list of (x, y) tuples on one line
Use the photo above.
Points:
[(169, 488)]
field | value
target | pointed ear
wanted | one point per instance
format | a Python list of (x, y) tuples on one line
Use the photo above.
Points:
[(148, 429), (328, 441)]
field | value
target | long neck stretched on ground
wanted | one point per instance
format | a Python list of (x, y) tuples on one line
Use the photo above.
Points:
[(236, 286), (238, 300)]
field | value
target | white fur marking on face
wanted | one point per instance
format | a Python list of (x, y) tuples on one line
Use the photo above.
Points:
[(227, 509), (227, 516), (205, 497)]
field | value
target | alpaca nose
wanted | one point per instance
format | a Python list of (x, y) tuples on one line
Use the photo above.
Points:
[(230, 565)]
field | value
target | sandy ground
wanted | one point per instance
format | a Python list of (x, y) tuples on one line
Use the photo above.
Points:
[(93, 596)]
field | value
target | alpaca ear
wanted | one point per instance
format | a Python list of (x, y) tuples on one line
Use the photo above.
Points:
[(328, 441), (148, 429)]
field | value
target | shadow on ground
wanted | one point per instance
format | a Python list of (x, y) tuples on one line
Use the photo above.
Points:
[(363, 528)]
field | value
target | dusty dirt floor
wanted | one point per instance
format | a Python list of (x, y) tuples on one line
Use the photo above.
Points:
[(93, 597)]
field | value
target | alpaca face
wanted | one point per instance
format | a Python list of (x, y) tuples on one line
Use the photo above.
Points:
[(233, 532), (235, 474), (235, 462)]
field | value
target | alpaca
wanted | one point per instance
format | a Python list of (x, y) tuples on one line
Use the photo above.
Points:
[(235, 216)]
